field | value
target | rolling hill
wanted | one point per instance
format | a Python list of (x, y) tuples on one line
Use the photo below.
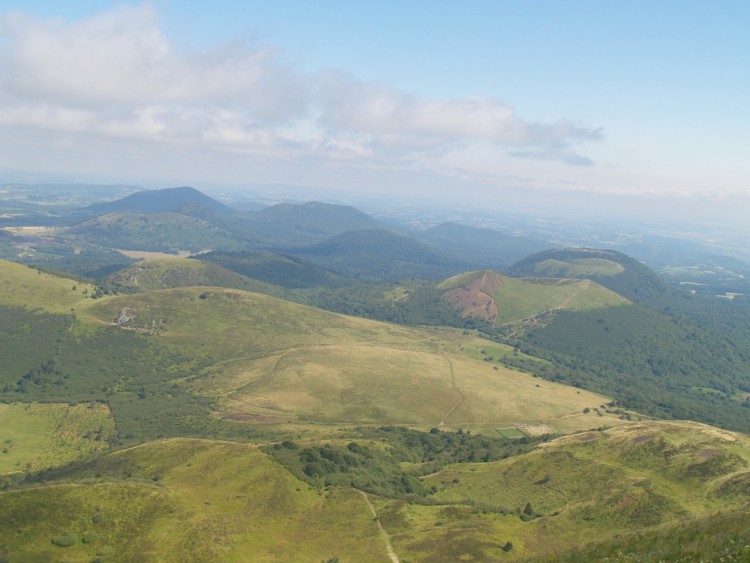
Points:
[(276, 359), (187, 352), (288, 224), (160, 201), (500, 299), (195, 499), (614, 270), (298, 396), (168, 273)]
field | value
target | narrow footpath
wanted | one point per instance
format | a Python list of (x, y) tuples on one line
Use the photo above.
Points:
[(383, 533)]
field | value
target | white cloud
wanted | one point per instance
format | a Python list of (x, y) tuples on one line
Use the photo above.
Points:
[(388, 114), (116, 76)]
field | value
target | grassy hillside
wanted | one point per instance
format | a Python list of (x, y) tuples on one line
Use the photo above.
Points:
[(27, 287), (614, 270), (592, 486), (39, 436), (165, 360), (185, 500), (500, 299), (701, 539), (269, 357), (183, 272)]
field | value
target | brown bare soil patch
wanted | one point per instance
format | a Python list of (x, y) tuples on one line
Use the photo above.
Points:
[(587, 437), (476, 300), (627, 501), (708, 453)]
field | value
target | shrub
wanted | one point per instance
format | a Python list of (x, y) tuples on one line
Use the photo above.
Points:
[(65, 539)]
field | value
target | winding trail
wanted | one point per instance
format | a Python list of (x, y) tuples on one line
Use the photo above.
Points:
[(456, 389), (383, 533), (517, 327)]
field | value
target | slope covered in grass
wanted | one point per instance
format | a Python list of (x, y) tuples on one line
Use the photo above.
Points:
[(281, 359), (183, 500), (21, 286), (582, 488), (42, 435), (184, 272), (499, 299)]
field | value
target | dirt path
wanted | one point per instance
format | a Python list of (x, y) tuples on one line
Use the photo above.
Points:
[(521, 326), (456, 389), (586, 286), (389, 548)]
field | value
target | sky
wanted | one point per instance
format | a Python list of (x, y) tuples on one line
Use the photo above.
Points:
[(621, 107)]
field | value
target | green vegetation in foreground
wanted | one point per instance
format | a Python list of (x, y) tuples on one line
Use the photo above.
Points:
[(184, 500), (725, 536), (37, 436), (388, 461)]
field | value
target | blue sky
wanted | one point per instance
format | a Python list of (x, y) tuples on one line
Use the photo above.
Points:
[(474, 99)]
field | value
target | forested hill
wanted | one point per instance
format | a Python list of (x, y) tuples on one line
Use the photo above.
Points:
[(301, 224), (619, 272), (156, 201)]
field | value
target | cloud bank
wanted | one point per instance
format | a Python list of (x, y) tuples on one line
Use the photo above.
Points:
[(117, 77)]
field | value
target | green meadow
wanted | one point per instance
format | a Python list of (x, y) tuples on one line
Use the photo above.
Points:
[(520, 298), (37, 436)]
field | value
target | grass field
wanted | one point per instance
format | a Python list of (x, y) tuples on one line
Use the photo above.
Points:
[(22, 286), (187, 500), (283, 360), (164, 273), (42, 435), (578, 268)]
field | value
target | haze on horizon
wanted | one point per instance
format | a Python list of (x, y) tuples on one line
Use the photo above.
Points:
[(623, 108)]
